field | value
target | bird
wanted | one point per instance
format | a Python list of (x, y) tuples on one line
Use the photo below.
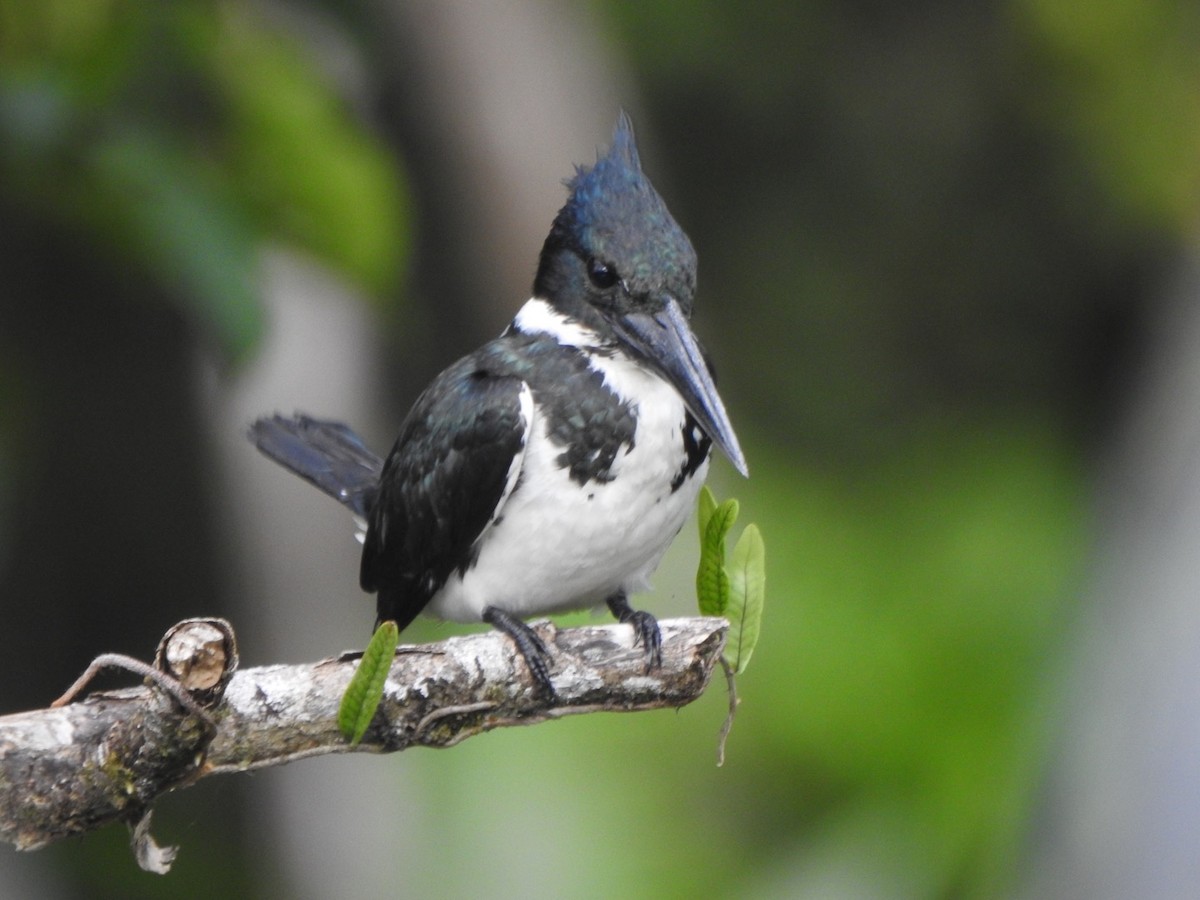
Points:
[(550, 469)]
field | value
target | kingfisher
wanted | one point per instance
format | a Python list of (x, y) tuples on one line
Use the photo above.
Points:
[(550, 469)]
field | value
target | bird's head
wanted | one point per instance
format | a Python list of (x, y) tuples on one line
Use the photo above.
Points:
[(617, 262)]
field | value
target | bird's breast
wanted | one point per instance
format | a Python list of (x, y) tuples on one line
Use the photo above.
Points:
[(564, 542)]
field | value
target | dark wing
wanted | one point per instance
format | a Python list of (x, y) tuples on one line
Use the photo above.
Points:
[(326, 454), (454, 464)]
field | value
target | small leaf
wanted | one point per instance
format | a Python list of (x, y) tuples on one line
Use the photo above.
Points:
[(708, 505), (719, 525), (747, 590), (712, 581), (366, 687)]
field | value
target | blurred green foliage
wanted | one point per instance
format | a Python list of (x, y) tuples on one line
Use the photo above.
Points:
[(179, 138), (1122, 82), (909, 671)]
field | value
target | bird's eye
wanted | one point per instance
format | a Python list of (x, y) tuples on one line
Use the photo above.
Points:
[(602, 274)]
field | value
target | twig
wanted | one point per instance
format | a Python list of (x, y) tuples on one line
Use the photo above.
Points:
[(727, 726), (137, 667)]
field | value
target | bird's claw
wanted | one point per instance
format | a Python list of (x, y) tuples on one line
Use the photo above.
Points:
[(534, 650), (647, 633), (645, 628)]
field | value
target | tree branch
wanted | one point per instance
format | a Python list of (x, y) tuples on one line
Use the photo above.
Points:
[(71, 769)]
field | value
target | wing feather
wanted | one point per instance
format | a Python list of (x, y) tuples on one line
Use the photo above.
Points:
[(456, 461)]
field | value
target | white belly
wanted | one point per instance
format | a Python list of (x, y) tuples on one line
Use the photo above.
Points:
[(559, 545)]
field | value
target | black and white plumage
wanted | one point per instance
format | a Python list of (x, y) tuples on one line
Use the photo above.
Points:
[(550, 469)]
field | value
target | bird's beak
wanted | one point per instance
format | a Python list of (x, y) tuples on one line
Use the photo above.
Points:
[(664, 341)]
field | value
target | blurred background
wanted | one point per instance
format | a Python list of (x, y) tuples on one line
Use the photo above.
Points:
[(949, 277)]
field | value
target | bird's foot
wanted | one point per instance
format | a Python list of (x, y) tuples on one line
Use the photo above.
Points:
[(645, 629), (532, 647)]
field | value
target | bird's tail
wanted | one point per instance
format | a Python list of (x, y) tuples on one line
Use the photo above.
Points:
[(325, 454)]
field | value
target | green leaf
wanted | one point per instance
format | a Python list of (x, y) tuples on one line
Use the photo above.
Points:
[(747, 591), (708, 505), (712, 581), (366, 687)]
